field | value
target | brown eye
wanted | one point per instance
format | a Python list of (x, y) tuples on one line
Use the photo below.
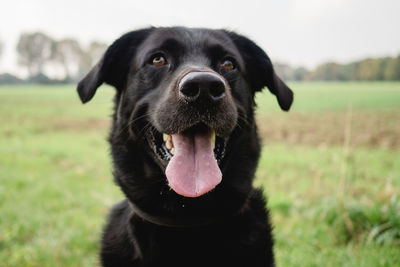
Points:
[(159, 61), (228, 65)]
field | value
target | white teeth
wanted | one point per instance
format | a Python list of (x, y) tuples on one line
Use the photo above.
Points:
[(213, 139), (168, 142), (165, 137)]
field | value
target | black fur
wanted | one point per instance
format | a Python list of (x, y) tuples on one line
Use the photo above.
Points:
[(154, 226)]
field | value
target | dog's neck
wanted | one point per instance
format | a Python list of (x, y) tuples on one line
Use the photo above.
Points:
[(173, 222), (183, 222)]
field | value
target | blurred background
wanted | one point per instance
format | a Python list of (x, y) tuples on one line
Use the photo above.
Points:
[(330, 168)]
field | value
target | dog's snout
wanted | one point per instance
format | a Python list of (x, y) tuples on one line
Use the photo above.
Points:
[(204, 86)]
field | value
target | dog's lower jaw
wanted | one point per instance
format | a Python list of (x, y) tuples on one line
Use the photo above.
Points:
[(133, 158)]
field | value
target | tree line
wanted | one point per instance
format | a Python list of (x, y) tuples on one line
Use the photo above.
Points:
[(370, 69), (66, 59)]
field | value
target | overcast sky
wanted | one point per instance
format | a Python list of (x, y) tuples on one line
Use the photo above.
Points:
[(298, 32)]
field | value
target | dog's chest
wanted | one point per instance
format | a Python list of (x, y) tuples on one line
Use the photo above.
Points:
[(189, 246)]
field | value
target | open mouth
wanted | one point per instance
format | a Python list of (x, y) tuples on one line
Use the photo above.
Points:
[(191, 158)]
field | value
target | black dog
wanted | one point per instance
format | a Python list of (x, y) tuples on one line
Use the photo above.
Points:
[(185, 148)]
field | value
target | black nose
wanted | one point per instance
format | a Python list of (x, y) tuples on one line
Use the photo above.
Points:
[(201, 86)]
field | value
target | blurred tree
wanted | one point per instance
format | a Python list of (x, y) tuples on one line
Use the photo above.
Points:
[(289, 73), (371, 69), (67, 53), (96, 51), (382, 65), (347, 72), (300, 74), (1, 48), (34, 49), (327, 72), (392, 70), (91, 56), (284, 71), (7, 78)]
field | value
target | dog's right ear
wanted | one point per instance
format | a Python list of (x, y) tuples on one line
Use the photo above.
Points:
[(260, 71), (114, 66)]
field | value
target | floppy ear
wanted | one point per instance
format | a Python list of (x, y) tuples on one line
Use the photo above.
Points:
[(114, 66), (260, 71)]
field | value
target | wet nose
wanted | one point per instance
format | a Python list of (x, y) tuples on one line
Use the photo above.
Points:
[(202, 86)]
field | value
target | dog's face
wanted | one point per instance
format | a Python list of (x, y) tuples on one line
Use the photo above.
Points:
[(184, 111)]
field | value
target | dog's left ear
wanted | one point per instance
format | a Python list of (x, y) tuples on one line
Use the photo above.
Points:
[(114, 66), (260, 71)]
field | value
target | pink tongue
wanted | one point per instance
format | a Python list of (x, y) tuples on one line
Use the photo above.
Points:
[(193, 170)]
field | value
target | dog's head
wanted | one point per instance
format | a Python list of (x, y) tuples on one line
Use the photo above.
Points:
[(184, 111)]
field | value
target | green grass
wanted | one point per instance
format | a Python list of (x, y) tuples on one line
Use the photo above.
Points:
[(334, 96), (327, 207), (332, 203)]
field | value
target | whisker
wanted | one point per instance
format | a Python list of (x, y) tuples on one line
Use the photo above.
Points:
[(131, 122), (145, 128)]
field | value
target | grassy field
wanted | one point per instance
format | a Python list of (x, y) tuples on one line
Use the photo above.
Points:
[(330, 168)]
